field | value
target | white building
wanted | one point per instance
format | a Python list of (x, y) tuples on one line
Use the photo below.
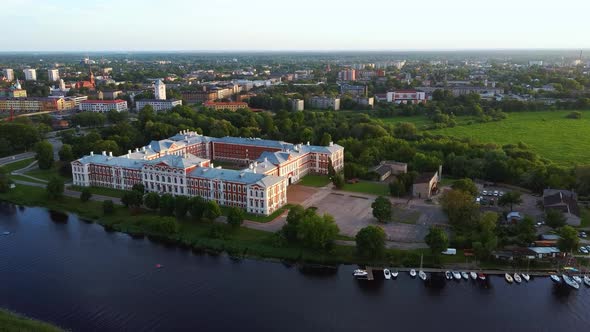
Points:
[(103, 106), (53, 75), (30, 74), (322, 102), (8, 74), (158, 104), (297, 105), (406, 97), (160, 90)]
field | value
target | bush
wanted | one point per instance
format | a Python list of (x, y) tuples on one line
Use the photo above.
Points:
[(85, 195), (235, 217), (55, 188), (108, 207), (574, 115)]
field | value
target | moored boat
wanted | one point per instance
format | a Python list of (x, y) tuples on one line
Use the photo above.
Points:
[(555, 278), (577, 279), (517, 278), (360, 273), (456, 275), (387, 274), (526, 277), (422, 275), (448, 275), (481, 276), (394, 274), (570, 282), (587, 281), (473, 275), (412, 273), (508, 278), (465, 275)]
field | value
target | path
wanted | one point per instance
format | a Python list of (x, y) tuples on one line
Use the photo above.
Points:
[(16, 157)]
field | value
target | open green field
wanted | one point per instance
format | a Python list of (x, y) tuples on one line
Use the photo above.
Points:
[(315, 181), (550, 134), (101, 191), (13, 322), (365, 187), (47, 174)]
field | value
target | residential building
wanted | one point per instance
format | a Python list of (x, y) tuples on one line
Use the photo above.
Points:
[(219, 106), (465, 90), (354, 90), (198, 96), (426, 184), (15, 91), (364, 101), (181, 165), (8, 74), (564, 201), (77, 99), (158, 104), (387, 168), (111, 94), (103, 106), (297, 105), (53, 75), (323, 102), (160, 90), (30, 74), (29, 105), (347, 75), (406, 97)]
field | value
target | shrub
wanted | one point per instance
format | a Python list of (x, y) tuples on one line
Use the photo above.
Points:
[(574, 115), (85, 195), (108, 207)]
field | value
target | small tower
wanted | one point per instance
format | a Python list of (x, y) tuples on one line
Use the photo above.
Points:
[(160, 90), (62, 85), (91, 77), (17, 85)]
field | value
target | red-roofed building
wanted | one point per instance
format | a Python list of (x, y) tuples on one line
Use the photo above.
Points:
[(103, 106), (406, 97), (232, 106)]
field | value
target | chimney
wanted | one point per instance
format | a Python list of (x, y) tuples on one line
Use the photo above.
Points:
[(128, 151), (136, 149), (110, 153), (307, 143), (143, 149), (331, 143), (92, 153), (104, 153)]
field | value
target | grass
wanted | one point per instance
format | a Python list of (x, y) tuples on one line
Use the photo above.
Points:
[(17, 165), (548, 133), (260, 218), (13, 322), (585, 214), (315, 181), (47, 174), (365, 187), (422, 122), (102, 191)]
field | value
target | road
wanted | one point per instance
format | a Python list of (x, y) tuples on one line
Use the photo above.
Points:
[(16, 157)]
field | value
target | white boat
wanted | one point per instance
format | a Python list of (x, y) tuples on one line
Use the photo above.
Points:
[(526, 277), (360, 273), (473, 275), (570, 282), (394, 274), (422, 275), (448, 275), (587, 281), (508, 278), (517, 278), (555, 278), (386, 274), (412, 273), (481, 276), (457, 275), (577, 279), (465, 275)]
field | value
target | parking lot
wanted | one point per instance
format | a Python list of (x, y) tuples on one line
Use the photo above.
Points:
[(528, 207)]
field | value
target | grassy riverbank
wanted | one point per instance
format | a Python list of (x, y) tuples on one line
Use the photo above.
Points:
[(12, 322)]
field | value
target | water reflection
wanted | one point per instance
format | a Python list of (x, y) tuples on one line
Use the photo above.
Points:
[(58, 217)]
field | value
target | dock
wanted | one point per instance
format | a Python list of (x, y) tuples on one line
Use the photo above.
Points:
[(371, 269)]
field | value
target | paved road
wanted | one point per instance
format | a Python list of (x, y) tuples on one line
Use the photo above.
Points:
[(16, 157)]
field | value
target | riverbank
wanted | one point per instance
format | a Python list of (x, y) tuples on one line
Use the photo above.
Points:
[(10, 321)]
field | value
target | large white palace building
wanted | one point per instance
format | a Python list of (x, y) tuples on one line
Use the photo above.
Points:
[(181, 165)]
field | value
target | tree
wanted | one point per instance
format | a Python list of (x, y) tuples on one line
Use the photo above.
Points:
[(44, 152), (132, 199), (213, 211), (197, 207), (167, 203), (152, 201), (235, 217), (294, 217), (405, 130), (554, 218), (326, 139), (462, 211), (5, 181), (510, 198), (108, 207), (85, 195), (139, 187), (66, 154), (382, 209), (397, 188), (317, 232), (370, 242), (338, 181), (526, 231), (181, 206), (466, 185), (437, 239), (55, 188), (486, 239), (568, 240)]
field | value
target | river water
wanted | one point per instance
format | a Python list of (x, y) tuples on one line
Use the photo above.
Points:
[(60, 269)]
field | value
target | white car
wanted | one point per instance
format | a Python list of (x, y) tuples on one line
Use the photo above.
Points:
[(500, 194), (583, 250), (485, 192), (495, 193)]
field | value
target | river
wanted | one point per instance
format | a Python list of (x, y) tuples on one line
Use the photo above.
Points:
[(63, 270)]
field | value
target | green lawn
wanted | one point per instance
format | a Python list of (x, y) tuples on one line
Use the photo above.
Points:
[(585, 214), (420, 121), (17, 165), (365, 187), (314, 181), (47, 174), (101, 191), (550, 134), (13, 322)]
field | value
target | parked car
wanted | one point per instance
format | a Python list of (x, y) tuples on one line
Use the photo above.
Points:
[(583, 250), (588, 248), (583, 234), (496, 193), (484, 193), (500, 193)]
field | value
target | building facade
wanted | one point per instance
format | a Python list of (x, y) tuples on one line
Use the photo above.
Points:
[(297, 105), (53, 75), (220, 106), (321, 102), (8, 74), (406, 97), (347, 75), (30, 74), (158, 104), (103, 106), (29, 105), (181, 165), (160, 90)]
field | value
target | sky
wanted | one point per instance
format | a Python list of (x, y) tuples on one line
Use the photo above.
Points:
[(277, 25)]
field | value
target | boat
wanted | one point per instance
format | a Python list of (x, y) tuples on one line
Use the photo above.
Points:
[(481, 276), (473, 275), (587, 281), (457, 275), (422, 275), (526, 277), (448, 275), (577, 279), (555, 278), (394, 274), (517, 278), (412, 273), (570, 282), (508, 278), (360, 273), (386, 274), (6, 233), (465, 275)]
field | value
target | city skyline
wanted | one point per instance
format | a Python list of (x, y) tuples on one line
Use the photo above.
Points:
[(262, 25)]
